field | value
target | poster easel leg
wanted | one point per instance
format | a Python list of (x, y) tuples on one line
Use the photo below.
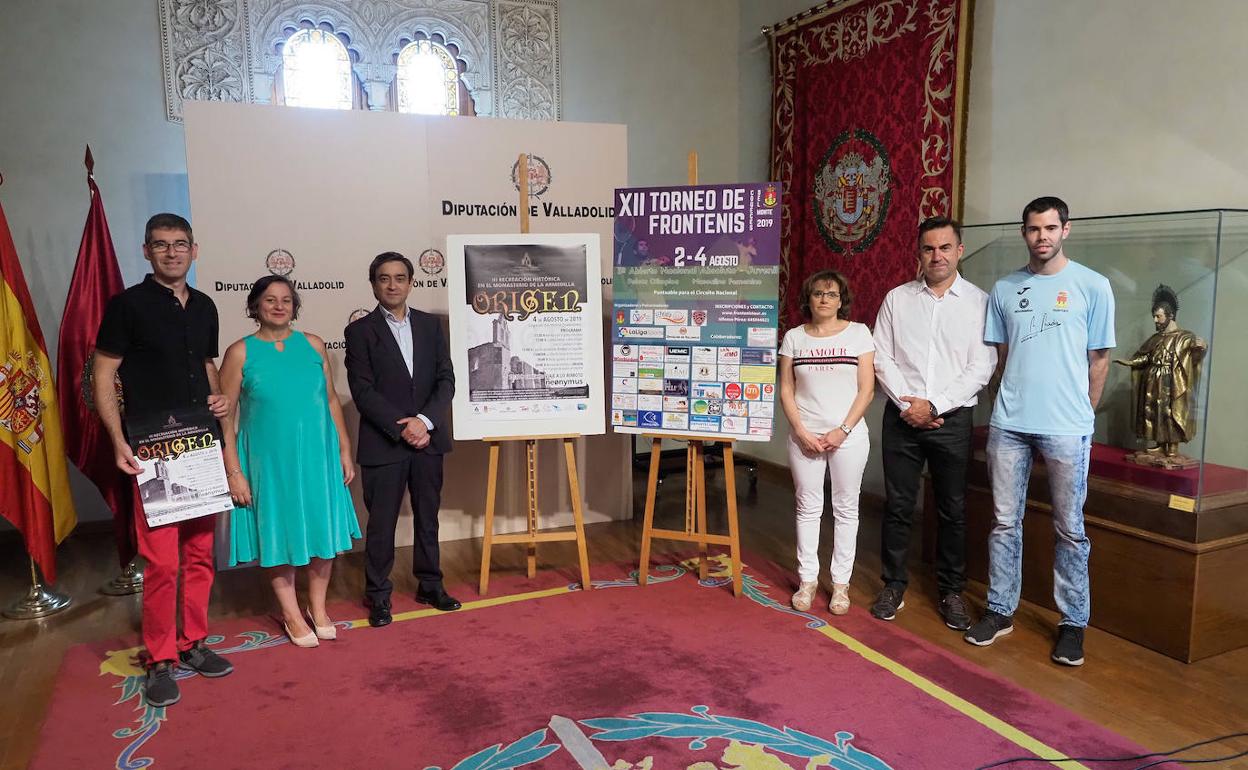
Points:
[(734, 534), (574, 486), (530, 457), (491, 489), (643, 571), (699, 496)]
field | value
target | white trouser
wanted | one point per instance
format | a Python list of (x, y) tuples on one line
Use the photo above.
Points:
[(845, 466)]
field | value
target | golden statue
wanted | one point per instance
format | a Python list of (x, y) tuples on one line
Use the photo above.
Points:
[(1164, 373)]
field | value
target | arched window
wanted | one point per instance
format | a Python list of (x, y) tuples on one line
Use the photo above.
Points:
[(316, 70), (428, 79)]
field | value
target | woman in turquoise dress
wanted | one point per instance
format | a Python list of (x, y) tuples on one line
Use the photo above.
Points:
[(290, 462)]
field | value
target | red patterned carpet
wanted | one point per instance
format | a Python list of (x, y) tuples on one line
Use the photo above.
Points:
[(674, 675)]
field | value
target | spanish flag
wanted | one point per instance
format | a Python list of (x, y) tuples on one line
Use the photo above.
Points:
[(34, 485)]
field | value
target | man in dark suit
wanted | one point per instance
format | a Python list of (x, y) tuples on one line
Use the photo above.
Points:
[(399, 371)]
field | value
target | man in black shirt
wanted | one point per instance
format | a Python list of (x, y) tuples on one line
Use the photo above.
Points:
[(161, 337)]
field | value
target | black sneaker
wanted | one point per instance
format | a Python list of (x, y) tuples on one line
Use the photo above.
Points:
[(888, 602), (204, 661), (160, 689), (1069, 648), (989, 627), (953, 612)]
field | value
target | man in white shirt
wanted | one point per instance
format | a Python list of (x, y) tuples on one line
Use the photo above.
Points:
[(931, 362)]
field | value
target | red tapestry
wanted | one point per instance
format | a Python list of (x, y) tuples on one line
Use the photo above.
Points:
[(867, 122)]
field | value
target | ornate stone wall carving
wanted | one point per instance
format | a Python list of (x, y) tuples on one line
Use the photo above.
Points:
[(228, 50), (526, 45)]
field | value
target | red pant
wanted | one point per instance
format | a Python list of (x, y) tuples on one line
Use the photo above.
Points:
[(187, 544)]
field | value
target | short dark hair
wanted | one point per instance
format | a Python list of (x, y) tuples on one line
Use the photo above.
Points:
[(1164, 297), (261, 286), (1047, 203), (389, 256), (939, 223), (831, 276), (167, 221)]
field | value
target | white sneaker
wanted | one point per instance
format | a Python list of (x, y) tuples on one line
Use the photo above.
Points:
[(840, 599), (805, 595)]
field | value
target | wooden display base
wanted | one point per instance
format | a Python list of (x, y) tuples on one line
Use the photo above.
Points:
[(1155, 459), (695, 507), (532, 536), (1166, 571)]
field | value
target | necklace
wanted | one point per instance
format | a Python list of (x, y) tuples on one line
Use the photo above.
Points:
[(278, 342)]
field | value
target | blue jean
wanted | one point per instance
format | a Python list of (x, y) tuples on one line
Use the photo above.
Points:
[(1009, 466)]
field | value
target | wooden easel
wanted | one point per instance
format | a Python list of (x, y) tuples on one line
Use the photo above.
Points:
[(532, 536), (695, 492)]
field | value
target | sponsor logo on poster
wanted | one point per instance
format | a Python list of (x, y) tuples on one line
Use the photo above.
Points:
[(280, 262), (729, 373), (703, 355), (753, 392), (539, 175), (641, 317), (623, 401), (675, 420), (649, 419), (704, 422), (762, 409), (769, 196), (650, 385), (669, 317), (698, 317), (676, 387), (617, 417), (652, 403), (769, 392), (650, 354), (732, 391), (624, 384), (684, 332), (675, 404), (760, 337), (630, 419), (624, 352), (650, 372), (431, 261), (703, 371), (729, 355), (758, 357), (676, 371), (758, 374), (677, 352), (715, 406), (736, 408), (640, 332), (707, 390), (623, 369), (733, 425)]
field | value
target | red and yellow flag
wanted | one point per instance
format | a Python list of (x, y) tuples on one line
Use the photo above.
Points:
[(34, 484)]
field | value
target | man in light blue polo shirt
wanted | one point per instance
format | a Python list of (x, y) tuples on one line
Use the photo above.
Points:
[(1053, 323)]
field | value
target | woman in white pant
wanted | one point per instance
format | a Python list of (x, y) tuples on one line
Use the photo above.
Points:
[(827, 379)]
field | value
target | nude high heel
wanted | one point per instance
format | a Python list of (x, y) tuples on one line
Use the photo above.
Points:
[(307, 640), (328, 633)]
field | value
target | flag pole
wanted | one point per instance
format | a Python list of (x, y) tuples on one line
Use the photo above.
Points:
[(39, 602), (130, 581)]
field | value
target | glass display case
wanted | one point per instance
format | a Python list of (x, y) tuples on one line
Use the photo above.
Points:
[(1175, 523)]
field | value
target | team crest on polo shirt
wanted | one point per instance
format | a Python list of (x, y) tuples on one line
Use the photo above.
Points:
[(21, 402), (280, 262), (852, 190), (1063, 301)]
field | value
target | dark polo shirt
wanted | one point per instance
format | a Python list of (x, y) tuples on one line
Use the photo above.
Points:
[(163, 346)]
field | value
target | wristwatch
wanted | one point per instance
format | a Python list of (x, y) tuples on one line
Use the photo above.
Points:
[(932, 406), (845, 428)]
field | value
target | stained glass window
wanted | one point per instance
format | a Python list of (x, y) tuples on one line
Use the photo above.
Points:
[(428, 80), (316, 70)]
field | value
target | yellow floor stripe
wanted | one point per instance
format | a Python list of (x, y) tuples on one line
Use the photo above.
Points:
[(998, 726), (479, 604)]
